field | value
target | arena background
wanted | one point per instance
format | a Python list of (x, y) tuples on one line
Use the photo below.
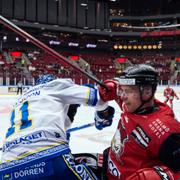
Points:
[(101, 37)]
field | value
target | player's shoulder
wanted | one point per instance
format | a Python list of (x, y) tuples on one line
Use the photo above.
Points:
[(165, 114), (60, 82), (163, 109)]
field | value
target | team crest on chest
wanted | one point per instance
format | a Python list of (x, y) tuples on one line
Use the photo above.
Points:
[(119, 140)]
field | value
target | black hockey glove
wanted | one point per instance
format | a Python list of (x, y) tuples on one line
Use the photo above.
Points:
[(104, 118), (169, 152)]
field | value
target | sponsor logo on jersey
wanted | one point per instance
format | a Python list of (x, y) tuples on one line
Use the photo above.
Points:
[(158, 128), (28, 139), (7, 176), (139, 135)]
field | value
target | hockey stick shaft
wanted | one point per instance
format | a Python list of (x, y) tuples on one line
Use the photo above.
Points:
[(46, 48), (80, 127)]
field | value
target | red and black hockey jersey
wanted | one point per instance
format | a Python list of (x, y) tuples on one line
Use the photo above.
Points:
[(138, 139)]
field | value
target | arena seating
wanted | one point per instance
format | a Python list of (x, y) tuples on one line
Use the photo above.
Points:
[(100, 65)]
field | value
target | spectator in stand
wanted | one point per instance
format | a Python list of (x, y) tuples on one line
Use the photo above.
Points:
[(169, 95)]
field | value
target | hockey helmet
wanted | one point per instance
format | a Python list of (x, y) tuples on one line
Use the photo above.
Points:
[(141, 74), (44, 79)]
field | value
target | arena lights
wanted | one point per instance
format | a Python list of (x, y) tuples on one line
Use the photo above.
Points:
[(17, 39), (84, 4), (159, 46), (154, 46), (144, 46), (120, 46), (137, 47), (115, 46), (149, 47), (4, 38), (134, 47), (129, 47), (103, 40), (124, 47)]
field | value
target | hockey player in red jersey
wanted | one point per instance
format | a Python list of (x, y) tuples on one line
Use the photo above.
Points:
[(169, 95), (146, 144)]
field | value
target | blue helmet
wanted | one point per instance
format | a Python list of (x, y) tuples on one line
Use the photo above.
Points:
[(44, 79)]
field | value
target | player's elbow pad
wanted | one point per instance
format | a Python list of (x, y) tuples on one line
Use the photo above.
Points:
[(169, 152)]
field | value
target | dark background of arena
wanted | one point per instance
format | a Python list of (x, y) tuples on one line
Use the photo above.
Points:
[(102, 37)]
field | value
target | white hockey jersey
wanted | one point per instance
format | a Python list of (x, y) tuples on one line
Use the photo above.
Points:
[(38, 117)]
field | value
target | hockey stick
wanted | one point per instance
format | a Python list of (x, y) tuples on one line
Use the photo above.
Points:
[(47, 49), (80, 127)]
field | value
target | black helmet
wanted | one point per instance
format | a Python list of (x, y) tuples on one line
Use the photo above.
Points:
[(140, 74)]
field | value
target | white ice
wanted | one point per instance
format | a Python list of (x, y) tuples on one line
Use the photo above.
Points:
[(85, 140)]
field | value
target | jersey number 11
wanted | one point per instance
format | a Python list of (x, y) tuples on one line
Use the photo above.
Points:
[(25, 121)]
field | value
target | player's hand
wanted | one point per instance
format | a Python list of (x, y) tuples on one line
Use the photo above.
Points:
[(155, 173), (104, 118), (109, 93)]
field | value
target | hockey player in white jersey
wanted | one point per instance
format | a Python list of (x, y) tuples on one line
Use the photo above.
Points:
[(36, 145)]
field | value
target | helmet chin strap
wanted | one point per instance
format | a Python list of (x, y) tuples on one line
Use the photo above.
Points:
[(141, 89)]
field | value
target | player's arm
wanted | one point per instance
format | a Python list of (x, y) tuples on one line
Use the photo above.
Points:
[(71, 93), (176, 95), (104, 117), (169, 152), (165, 94)]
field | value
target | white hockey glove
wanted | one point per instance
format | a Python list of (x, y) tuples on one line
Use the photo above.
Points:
[(104, 118)]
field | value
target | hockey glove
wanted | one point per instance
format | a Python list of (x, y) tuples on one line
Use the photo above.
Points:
[(155, 173), (109, 93), (93, 161), (104, 118)]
